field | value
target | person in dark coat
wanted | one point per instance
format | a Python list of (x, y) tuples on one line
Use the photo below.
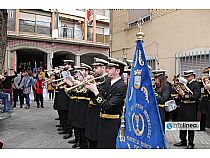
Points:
[(188, 108), (163, 93), (79, 99), (61, 103), (93, 111), (111, 104), (204, 103)]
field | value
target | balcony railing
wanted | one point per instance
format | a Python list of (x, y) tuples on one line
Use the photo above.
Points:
[(70, 32), (35, 27), (66, 32)]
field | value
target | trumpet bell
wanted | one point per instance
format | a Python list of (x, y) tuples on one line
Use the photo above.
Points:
[(170, 106)]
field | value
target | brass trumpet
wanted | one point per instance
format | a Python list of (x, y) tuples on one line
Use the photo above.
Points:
[(180, 85), (177, 86), (87, 81)]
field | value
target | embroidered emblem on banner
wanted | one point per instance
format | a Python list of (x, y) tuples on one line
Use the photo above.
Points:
[(138, 122), (137, 78), (145, 91)]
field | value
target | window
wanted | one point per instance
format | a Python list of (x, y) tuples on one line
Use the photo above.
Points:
[(193, 60), (152, 62), (100, 12), (100, 30)]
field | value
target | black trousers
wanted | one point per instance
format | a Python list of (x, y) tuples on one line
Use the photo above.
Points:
[(80, 136), (18, 93), (39, 98), (83, 140), (183, 135), (65, 123), (203, 121)]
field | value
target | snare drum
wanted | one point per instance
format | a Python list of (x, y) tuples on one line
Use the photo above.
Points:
[(170, 106)]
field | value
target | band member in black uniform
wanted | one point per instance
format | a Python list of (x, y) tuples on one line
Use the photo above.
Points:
[(204, 104), (111, 104), (188, 108), (78, 105), (163, 93), (61, 103), (93, 110), (175, 97)]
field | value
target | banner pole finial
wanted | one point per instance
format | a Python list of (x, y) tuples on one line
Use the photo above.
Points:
[(140, 35)]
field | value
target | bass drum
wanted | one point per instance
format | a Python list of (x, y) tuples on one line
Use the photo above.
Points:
[(170, 106)]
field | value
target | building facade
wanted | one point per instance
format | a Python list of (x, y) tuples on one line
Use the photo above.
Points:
[(47, 37), (175, 40)]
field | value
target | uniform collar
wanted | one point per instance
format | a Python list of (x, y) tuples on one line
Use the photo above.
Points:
[(115, 80), (191, 81)]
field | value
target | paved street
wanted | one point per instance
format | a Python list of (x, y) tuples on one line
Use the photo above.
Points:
[(35, 128), (32, 128)]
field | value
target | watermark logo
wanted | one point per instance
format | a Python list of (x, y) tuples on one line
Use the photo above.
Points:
[(182, 126)]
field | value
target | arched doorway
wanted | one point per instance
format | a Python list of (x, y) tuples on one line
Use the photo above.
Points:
[(59, 56), (89, 57), (31, 58)]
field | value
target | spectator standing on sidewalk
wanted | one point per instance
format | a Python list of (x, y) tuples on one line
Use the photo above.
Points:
[(33, 86), (28, 82), (18, 88), (39, 91), (51, 87)]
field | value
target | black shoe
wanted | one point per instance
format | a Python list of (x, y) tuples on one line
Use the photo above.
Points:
[(76, 145), (60, 129), (182, 143), (59, 125), (72, 141), (62, 132), (57, 118), (190, 146), (37, 106), (21, 106), (42, 106), (67, 136)]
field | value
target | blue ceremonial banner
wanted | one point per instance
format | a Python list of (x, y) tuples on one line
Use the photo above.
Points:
[(141, 126)]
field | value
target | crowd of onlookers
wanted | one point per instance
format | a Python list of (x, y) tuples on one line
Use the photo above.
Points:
[(16, 87)]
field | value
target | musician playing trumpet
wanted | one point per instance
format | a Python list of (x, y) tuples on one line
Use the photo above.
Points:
[(188, 108), (93, 111), (78, 105), (61, 101)]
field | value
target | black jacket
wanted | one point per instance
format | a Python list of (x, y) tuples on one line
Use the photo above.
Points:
[(164, 94), (188, 111), (93, 111), (111, 103)]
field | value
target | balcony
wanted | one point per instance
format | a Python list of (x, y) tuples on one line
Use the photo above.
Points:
[(70, 32), (35, 27)]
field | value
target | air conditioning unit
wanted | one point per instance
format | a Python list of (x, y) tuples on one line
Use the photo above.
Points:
[(55, 33)]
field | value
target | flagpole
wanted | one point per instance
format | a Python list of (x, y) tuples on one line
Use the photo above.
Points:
[(140, 37)]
